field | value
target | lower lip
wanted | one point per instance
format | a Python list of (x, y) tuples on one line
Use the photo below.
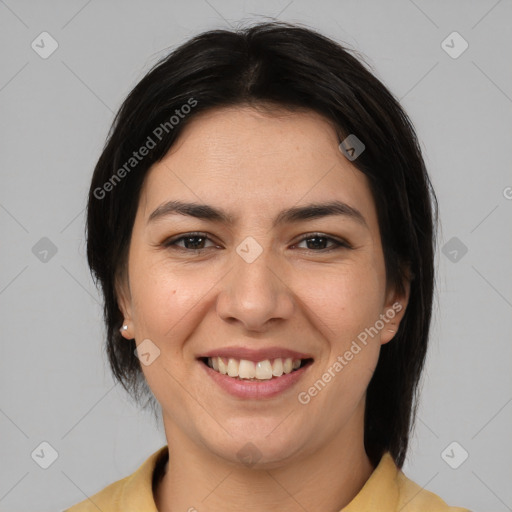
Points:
[(256, 389)]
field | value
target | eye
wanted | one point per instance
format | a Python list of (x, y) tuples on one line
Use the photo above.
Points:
[(191, 241), (195, 241), (319, 240)]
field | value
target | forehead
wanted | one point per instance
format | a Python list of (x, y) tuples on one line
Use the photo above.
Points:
[(242, 132), (259, 161)]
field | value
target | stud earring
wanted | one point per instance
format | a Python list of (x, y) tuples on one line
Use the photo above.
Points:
[(124, 328)]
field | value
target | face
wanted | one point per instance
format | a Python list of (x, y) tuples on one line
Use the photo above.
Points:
[(258, 278)]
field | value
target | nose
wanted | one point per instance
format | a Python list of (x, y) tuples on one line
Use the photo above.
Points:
[(255, 294)]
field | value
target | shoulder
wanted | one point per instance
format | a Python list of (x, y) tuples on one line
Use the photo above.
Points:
[(132, 493), (414, 498), (103, 500), (389, 490)]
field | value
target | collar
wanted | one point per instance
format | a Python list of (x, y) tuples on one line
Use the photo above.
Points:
[(380, 492)]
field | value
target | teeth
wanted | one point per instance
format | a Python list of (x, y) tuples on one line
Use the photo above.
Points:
[(222, 366), (233, 367), (277, 367), (287, 365), (247, 370), (262, 370)]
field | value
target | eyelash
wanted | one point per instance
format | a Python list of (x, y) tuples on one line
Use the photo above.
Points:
[(339, 244)]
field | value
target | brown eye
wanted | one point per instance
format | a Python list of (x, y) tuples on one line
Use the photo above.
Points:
[(317, 242), (191, 241)]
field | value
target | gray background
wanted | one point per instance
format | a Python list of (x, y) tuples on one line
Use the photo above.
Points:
[(55, 385)]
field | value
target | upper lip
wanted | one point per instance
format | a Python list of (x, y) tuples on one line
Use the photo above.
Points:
[(255, 355)]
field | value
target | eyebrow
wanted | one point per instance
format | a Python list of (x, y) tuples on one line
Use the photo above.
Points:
[(288, 216)]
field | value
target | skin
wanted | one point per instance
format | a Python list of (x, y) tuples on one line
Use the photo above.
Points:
[(295, 295)]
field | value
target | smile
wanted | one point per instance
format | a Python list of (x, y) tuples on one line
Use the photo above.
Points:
[(243, 369), (260, 379)]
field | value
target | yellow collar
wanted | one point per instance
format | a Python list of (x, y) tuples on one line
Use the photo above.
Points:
[(387, 490)]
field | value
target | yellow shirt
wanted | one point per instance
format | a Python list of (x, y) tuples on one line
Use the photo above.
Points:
[(387, 490)]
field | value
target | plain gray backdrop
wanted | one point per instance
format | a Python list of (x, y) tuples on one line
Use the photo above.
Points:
[(56, 109)]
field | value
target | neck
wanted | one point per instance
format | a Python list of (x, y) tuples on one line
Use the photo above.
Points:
[(327, 479)]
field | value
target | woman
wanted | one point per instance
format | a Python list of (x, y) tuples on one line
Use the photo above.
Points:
[(262, 226)]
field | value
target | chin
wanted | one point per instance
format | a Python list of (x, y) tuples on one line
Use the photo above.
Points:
[(259, 448)]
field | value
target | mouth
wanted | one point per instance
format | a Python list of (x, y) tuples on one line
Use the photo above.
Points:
[(253, 371)]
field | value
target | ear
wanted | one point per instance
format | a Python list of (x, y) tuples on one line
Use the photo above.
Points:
[(123, 296), (397, 299)]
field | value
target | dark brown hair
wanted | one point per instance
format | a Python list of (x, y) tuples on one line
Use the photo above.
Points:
[(295, 68)]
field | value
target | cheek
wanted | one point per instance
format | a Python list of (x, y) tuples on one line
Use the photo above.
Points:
[(346, 299), (347, 303), (166, 299)]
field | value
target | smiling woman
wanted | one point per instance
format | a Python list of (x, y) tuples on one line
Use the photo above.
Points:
[(267, 271)]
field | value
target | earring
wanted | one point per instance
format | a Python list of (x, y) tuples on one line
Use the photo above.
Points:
[(124, 328)]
